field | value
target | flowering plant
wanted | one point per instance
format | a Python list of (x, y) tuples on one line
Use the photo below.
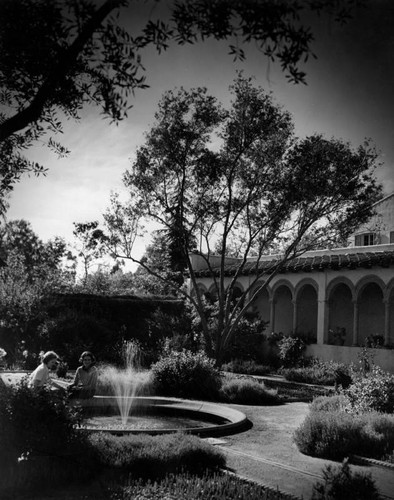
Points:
[(2, 353)]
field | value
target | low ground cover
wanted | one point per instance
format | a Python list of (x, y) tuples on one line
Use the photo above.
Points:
[(218, 486), (306, 370), (155, 456), (247, 367), (291, 392)]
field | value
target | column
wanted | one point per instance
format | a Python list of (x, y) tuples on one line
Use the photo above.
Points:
[(272, 314), (322, 320), (294, 316), (355, 323), (386, 321)]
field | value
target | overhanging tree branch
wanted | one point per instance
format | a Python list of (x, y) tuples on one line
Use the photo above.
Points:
[(33, 112)]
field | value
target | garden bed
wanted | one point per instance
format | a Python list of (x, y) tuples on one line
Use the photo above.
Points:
[(289, 391)]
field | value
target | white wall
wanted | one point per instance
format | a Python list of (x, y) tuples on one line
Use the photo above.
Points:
[(342, 354)]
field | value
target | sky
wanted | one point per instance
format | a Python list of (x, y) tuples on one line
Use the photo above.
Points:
[(349, 95)]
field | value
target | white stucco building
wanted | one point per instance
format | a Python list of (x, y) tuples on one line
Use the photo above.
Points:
[(325, 293)]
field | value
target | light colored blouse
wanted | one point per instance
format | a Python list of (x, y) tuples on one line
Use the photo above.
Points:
[(40, 376)]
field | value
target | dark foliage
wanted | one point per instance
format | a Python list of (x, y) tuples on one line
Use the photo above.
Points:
[(87, 322), (340, 483), (186, 374)]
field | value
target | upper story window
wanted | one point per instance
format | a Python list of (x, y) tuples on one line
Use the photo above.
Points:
[(367, 239)]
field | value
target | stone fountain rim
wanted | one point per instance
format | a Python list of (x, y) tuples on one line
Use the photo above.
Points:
[(237, 421)]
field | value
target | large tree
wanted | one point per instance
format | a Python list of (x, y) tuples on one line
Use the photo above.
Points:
[(158, 263), (32, 273), (58, 55), (237, 178)]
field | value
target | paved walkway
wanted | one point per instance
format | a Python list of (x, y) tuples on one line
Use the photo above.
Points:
[(266, 453)]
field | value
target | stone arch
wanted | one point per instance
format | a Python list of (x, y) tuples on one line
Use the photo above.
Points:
[(238, 286), (390, 288), (261, 303), (213, 292), (371, 308), (303, 282), (282, 296), (340, 280), (278, 284), (237, 292), (366, 280), (340, 296), (306, 293), (203, 290)]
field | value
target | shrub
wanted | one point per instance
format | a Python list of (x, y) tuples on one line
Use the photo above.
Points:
[(318, 372), (328, 435), (291, 350), (336, 435), (248, 392), (341, 484), (36, 422), (365, 360), (186, 374), (39, 442), (247, 367), (248, 339), (379, 429), (329, 403), (374, 341), (373, 391), (155, 456)]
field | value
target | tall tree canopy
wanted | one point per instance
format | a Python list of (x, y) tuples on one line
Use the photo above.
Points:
[(216, 178), (58, 55), (32, 272)]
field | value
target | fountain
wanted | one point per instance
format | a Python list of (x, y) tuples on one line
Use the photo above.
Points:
[(125, 411), (126, 383)]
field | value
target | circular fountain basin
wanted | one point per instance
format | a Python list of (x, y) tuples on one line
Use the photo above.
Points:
[(159, 415)]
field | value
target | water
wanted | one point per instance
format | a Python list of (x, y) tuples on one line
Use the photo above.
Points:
[(145, 422), (127, 382)]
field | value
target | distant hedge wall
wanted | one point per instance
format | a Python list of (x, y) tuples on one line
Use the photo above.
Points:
[(81, 322)]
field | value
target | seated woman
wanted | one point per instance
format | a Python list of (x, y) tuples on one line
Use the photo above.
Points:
[(85, 380), (40, 376)]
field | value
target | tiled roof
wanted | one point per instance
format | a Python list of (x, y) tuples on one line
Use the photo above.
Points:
[(322, 262)]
